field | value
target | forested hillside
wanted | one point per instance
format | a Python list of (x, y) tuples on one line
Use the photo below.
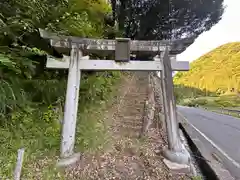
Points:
[(217, 71)]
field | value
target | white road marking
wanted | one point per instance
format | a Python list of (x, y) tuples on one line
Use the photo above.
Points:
[(213, 144)]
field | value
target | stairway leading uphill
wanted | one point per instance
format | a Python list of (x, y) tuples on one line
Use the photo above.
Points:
[(129, 116)]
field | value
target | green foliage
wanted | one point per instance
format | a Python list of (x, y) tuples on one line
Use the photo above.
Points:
[(31, 96), (27, 16), (197, 178), (218, 71), (227, 101), (22, 51), (182, 92), (150, 20), (35, 130), (195, 102), (20, 20)]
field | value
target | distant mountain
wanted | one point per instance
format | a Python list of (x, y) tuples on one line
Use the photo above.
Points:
[(217, 71)]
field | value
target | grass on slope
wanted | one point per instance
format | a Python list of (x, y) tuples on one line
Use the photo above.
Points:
[(218, 71), (37, 129)]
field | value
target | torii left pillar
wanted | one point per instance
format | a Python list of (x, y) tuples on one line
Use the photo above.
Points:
[(70, 109)]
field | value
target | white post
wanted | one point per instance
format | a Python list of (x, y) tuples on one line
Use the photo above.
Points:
[(71, 104), (176, 151), (18, 169)]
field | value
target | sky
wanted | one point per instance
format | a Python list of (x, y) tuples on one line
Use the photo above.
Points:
[(226, 30)]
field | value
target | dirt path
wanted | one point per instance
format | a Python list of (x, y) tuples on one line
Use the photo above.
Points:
[(127, 157)]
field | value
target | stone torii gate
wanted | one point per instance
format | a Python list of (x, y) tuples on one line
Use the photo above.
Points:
[(122, 47)]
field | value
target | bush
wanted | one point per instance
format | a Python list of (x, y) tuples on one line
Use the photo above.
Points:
[(195, 102), (201, 102)]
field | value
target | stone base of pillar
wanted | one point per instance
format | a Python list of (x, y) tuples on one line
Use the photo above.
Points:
[(64, 162), (177, 168), (180, 157)]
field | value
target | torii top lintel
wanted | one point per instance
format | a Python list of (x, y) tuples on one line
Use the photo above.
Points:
[(63, 44)]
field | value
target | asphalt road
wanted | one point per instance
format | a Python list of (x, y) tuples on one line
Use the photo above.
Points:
[(223, 130)]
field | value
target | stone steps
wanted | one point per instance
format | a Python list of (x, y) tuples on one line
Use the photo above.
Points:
[(129, 122)]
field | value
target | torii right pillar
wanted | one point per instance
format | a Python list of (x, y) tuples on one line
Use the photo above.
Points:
[(176, 152)]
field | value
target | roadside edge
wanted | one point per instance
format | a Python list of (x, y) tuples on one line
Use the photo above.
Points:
[(211, 156)]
